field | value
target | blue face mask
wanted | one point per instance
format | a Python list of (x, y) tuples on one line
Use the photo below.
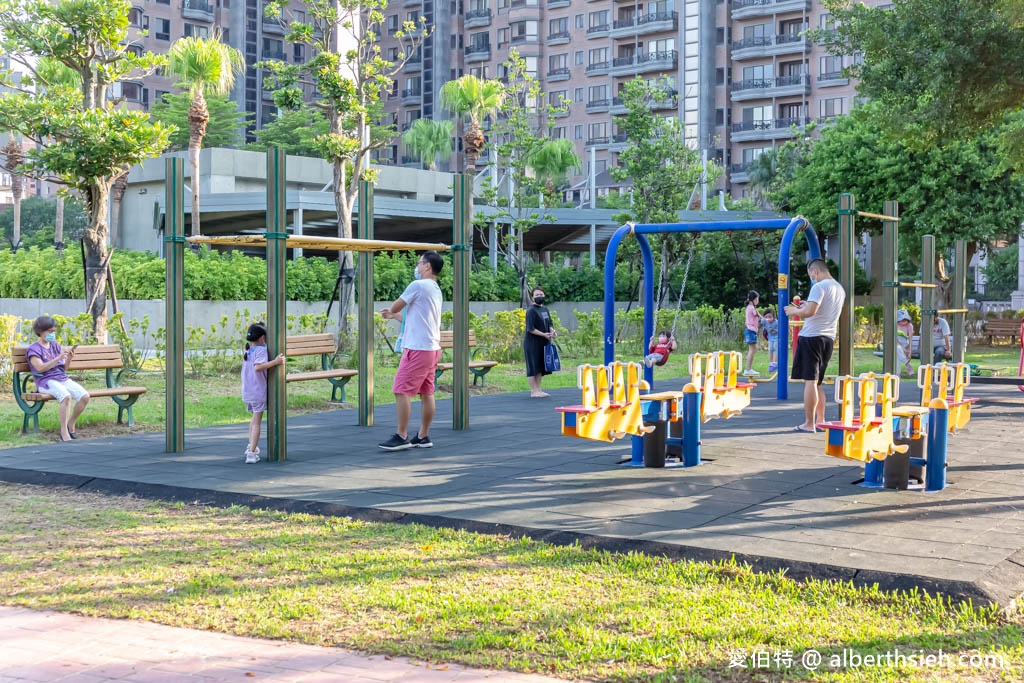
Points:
[(416, 273), (50, 337)]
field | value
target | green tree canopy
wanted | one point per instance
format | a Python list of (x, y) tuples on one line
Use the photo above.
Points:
[(222, 130), (39, 213), (428, 140), (293, 130)]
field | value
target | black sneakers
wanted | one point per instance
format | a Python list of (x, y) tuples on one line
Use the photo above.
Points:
[(396, 443), (421, 442)]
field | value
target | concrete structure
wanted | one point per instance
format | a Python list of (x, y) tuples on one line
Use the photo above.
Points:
[(746, 77), (1017, 297)]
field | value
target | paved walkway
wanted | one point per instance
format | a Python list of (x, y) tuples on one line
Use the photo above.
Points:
[(767, 495), (48, 646)]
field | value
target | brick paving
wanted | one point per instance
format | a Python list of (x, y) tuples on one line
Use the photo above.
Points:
[(49, 646)]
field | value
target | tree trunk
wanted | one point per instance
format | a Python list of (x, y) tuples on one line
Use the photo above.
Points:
[(117, 196), (15, 156), (343, 201), (58, 226), (95, 238), (198, 117)]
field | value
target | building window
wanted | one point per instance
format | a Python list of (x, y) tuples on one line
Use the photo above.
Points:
[(751, 154), (598, 56), (557, 98), (720, 76), (299, 53), (758, 117), (524, 31), (720, 117), (663, 45), (196, 31), (531, 65), (762, 74), (791, 68), (832, 107), (579, 21), (392, 22), (160, 94), (273, 49), (558, 132), (577, 95), (558, 26), (598, 19), (598, 93), (132, 92), (598, 131), (577, 131), (792, 28), (163, 29), (720, 36), (556, 62), (481, 39), (755, 32), (578, 58), (826, 22), (831, 66), (135, 16), (482, 72), (792, 112), (502, 38)]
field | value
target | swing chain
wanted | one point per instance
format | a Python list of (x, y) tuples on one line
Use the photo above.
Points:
[(682, 288)]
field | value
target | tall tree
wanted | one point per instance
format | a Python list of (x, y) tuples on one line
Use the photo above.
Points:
[(222, 130), (472, 99), (205, 66), (955, 191), (428, 140), (85, 141), (349, 74), (14, 155), (664, 170), (942, 68), (551, 163)]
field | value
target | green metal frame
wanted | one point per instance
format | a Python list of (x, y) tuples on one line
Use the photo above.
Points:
[(890, 276), (364, 291), (277, 315), (32, 408), (462, 256), (927, 297), (958, 323), (847, 230), (478, 373), (174, 251), (327, 361)]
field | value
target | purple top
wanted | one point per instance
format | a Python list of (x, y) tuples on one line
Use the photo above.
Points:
[(254, 384), (46, 355)]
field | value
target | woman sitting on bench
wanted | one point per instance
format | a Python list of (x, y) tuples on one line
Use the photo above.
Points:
[(48, 361)]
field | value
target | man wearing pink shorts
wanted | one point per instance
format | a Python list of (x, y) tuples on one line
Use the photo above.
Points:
[(421, 350)]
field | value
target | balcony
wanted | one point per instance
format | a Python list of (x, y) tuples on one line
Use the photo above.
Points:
[(738, 173), (662, 60), (411, 95), (555, 4), (757, 47), (832, 79), (642, 24), (478, 18), (411, 3), (559, 38), (274, 26), (477, 53), (598, 106), (618, 142), (199, 10), (623, 66), (598, 141), (275, 55), (518, 4), (526, 40), (670, 101), (415, 63), (772, 129), (561, 74), (760, 88), (748, 9), (598, 68), (599, 30)]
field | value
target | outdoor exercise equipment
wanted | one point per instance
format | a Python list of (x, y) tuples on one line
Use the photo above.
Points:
[(610, 407), (791, 227), (948, 381), (277, 242), (866, 433), (1017, 381), (717, 374)]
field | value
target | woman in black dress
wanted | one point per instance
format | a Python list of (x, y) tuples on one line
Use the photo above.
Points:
[(539, 332)]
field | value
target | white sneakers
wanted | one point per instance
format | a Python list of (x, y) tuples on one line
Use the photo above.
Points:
[(252, 456)]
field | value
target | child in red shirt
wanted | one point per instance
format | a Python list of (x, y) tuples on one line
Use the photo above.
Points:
[(660, 348)]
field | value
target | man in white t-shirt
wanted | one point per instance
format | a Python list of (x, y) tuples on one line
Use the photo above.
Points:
[(820, 314), (421, 350), (942, 346)]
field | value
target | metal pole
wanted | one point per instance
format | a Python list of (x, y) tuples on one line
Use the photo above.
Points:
[(592, 188), (927, 298), (174, 302), (364, 290), (959, 300), (462, 254), (846, 268), (691, 425), (277, 316), (938, 435), (890, 287), (297, 228)]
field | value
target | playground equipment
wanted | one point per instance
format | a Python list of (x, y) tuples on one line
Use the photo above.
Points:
[(717, 374), (278, 241), (868, 433), (1018, 381), (948, 381), (610, 407)]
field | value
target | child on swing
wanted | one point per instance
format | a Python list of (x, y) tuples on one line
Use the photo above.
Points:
[(660, 348)]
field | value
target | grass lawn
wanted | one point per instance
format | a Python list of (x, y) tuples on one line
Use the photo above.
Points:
[(215, 400), (482, 600)]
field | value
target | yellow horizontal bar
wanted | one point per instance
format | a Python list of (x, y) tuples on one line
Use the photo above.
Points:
[(919, 285), (321, 243), (952, 310), (879, 216)]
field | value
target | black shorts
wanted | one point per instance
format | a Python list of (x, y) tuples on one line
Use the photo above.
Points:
[(812, 357)]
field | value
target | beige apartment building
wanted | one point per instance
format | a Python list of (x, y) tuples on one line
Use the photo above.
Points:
[(744, 77)]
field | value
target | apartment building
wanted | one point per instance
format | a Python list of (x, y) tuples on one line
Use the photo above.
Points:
[(158, 23), (743, 75)]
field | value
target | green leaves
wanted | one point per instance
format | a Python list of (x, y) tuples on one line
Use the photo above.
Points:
[(204, 65), (429, 140), (221, 130)]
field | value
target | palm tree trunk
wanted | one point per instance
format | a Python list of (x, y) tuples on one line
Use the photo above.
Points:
[(198, 117), (58, 226)]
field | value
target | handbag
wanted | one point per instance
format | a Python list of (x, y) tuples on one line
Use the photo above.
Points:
[(552, 363), (401, 334)]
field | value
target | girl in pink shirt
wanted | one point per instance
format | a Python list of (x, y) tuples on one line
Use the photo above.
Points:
[(255, 364), (753, 325)]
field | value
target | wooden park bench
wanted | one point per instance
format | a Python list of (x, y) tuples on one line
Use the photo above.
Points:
[(1002, 327), (95, 357), (479, 368), (326, 347)]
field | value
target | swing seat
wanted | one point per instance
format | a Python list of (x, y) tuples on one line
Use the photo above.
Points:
[(579, 410), (662, 362)]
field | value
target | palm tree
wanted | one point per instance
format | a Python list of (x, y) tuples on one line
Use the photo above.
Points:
[(473, 99), (15, 156), (203, 65), (552, 161), (428, 140)]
